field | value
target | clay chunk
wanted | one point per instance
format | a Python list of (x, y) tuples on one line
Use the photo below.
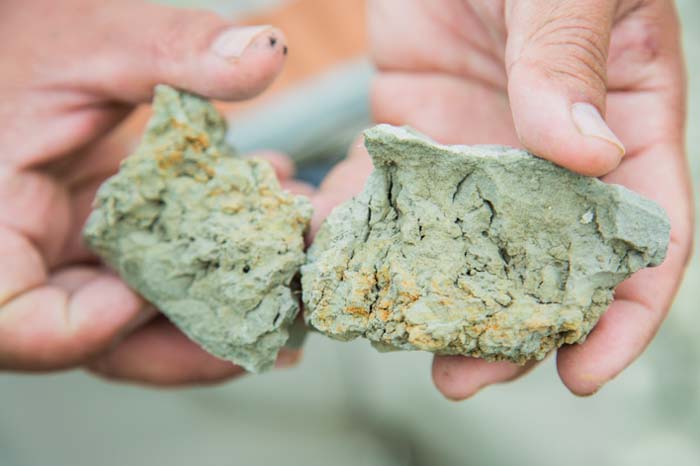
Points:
[(484, 251), (207, 237)]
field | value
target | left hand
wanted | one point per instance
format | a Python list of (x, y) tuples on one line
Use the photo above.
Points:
[(542, 74)]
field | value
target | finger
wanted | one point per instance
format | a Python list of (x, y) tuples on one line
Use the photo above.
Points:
[(73, 278), (89, 76), (21, 268), (98, 160), (67, 320), (282, 164), (460, 377), (621, 335), (556, 58), (648, 107), (194, 50), (299, 187), (75, 249), (642, 302), (34, 205), (159, 354)]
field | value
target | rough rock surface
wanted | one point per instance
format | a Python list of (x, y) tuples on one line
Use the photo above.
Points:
[(207, 237), (485, 251)]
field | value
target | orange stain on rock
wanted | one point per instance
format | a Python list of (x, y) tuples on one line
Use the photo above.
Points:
[(170, 160)]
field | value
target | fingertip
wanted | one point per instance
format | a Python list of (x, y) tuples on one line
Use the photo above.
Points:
[(282, 164), (245, 74), (452, 379), (61, 324), (565, 130), (577, 379), (462, 377), (288, 358), (619, 337), (590, 123), (323, 205), (589, 157), (102, 307), (298, 187)]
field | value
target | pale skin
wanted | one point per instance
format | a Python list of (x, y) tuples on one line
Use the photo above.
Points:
[(63, 90)]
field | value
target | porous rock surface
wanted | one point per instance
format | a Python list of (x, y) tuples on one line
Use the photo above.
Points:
[(484, 251), (207, 237)]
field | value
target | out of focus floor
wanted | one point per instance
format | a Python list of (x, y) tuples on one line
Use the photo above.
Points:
[(348, 405)]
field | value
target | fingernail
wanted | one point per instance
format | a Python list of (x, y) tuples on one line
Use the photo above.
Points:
[(287, 359), (233, 42), (589, 122), (588, 394)]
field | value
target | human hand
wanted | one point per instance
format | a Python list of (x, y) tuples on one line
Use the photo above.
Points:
[(70, 72), (540, 74)]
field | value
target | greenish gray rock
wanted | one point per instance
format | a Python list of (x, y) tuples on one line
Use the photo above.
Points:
[(484, 251), (207, 237)]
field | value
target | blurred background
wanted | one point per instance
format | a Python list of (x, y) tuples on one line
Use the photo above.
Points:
[(346, 404)]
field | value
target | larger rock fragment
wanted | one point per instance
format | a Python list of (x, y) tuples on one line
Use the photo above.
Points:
[(484, 251), (207, 237)]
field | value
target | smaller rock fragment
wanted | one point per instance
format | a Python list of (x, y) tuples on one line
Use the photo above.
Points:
[(484, 251), (207, 237)]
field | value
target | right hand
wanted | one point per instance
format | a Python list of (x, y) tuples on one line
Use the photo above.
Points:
[(509, 72)]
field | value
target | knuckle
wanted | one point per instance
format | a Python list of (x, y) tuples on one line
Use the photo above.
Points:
[(64, 353), (571, 48), (74, 346), (243, 81), (184, 33), (54, 354)]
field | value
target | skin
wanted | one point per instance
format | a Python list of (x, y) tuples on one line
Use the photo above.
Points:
[(64, 90), (508, 72)]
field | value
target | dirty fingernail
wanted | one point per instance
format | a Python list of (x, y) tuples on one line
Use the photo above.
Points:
[(233, 42), (590, 122)]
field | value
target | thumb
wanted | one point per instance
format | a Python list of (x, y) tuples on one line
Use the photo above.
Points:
[(556, 58), (137, 45)]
